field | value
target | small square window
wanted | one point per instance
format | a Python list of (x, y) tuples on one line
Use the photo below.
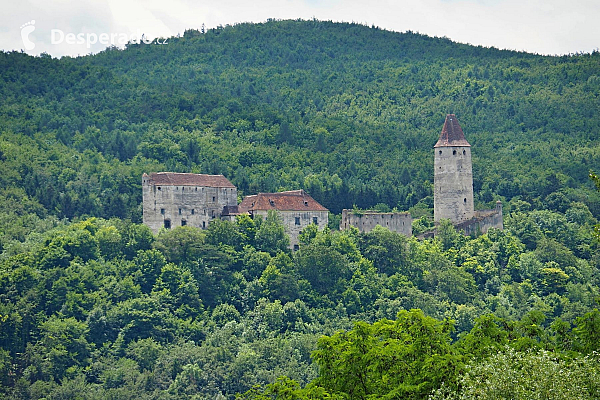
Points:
[(183, 222), (162, 211), (296, 247), (297, 220), (167, 224)]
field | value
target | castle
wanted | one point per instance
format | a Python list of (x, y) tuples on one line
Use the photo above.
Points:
[(178, 199), (452, 195)]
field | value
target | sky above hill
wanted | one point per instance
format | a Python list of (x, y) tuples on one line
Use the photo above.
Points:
[(78, 27)]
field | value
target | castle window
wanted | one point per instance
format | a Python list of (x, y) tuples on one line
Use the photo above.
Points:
[(167, 224), (193, 211), (305, 203), (183, 222), (196, 189), (203, 224), (440, 152), (182, 189), (213, 198), (297, 220), (296, 247), (162, 211), (465, 200), (159, 188), (464, 152), (180, 211), (315, 221), (454, 152)]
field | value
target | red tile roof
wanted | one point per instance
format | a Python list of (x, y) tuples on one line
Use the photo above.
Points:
[(293, 200), (452, 134), (179, 179)]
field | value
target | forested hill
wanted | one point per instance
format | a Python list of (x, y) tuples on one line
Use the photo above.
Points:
[(94, 306), (347, 112)]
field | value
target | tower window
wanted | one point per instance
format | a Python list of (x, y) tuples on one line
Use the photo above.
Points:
[(213, 198), (464, 152), (203, 224), (193, 211), (440, 152), (180, 211), (454, 152), (465, 199), (162, 211)]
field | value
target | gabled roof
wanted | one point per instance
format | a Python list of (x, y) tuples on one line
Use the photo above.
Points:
[(452, 134), (180, 179), (293, 200)]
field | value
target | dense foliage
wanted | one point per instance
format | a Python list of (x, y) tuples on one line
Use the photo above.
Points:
[(93, 305)]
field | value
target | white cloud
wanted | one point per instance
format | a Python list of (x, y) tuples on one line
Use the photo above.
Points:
[(542, 26)]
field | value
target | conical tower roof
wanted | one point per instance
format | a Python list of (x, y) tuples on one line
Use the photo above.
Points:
[(452, 134)]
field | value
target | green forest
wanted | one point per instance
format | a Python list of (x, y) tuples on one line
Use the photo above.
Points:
[(93, 305)]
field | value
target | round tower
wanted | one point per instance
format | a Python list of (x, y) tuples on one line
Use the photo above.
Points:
[(453, 176)]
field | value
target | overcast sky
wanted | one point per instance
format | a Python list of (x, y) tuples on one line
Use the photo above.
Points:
[(537, 26)]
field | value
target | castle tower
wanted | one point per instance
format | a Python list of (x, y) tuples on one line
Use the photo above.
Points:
[(453, 176)]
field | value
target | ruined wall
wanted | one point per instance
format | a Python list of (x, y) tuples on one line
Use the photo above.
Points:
[(365, 221), (453, 184), (294, 226), (172, 206), (482, 221)]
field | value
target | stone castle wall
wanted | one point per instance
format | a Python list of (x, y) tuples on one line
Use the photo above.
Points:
[(483, 221), (172, 206), (365, 221)]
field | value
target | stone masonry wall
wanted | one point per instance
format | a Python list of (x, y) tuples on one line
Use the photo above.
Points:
[(184, 205), (365, 221), (483, 221)]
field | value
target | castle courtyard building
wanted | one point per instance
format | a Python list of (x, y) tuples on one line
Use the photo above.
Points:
[(295, 207)]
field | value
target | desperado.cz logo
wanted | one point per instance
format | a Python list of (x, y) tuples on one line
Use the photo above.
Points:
[(57, 36)]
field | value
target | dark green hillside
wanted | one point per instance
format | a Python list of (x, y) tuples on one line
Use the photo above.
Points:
[(347, 112)]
